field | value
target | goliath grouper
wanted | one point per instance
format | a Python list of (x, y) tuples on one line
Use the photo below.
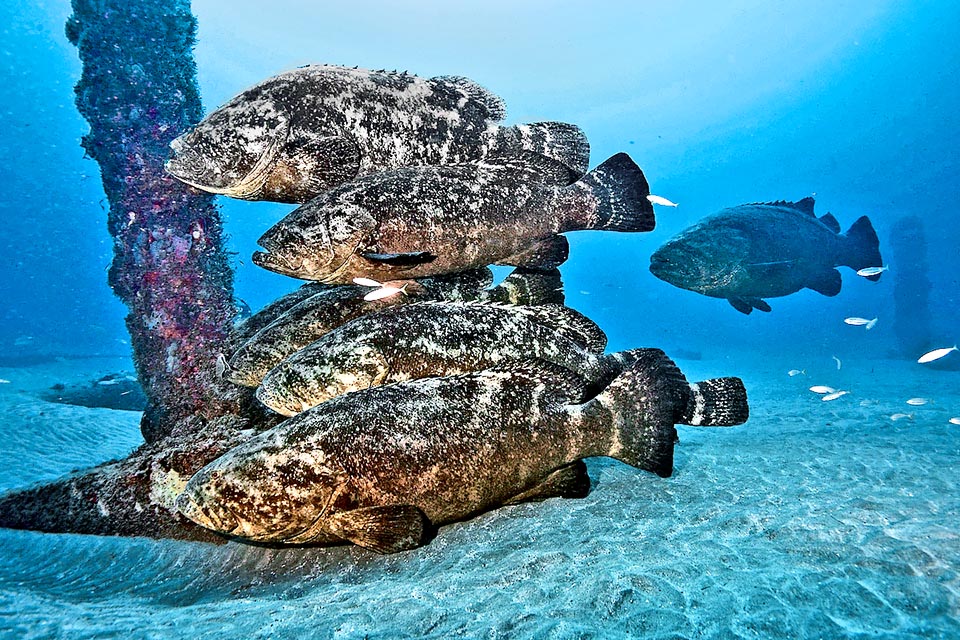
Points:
[(765, 250), (297, 134), (422, 221), (309, 319), (430, 339), (384, 466)]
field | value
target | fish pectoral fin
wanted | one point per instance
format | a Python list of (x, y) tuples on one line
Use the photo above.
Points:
[(399, 260), (568, 481), (759, 305), (826, 282), (746, 304), (386, 529), (544, 253), (741, 305)]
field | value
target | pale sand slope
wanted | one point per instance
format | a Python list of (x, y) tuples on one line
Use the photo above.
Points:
[(813, 520)]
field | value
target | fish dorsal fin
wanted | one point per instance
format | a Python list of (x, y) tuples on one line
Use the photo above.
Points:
[(803, 206), (830, 222), (561, 385), (535, 167), (568, 322), (558, 141), (493, 104)]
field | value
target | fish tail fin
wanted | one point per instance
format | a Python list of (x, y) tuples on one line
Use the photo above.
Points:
[(863, 247), (636, 411), (621, 191), (718, 402)]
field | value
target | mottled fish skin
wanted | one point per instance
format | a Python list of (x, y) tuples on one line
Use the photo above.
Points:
[(247, 328), (452, 218), (433, 339), (443, 449), (299, 133), (310, 319), (756, 251)]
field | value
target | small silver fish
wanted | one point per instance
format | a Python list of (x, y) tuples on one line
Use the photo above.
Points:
[(796, 372), (839, 364), (222, 365), (822, 389), (866, 272), (385, 292), (954, 420), (661, 200), (833, 396), (861, 322), (901, 416), (917, 402), (936, 354), (367, 282)]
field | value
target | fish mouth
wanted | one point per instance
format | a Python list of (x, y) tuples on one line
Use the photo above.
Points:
[(222, 520), (659, 266), (278, 264)]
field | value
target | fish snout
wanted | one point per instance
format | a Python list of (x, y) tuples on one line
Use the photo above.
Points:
[(661, 265), (210, 517)]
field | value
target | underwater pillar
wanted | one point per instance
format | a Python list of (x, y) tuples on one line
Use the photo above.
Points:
[(911, 287), (138, 91)]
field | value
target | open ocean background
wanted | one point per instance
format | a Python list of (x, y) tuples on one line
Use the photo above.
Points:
[(812, 520)]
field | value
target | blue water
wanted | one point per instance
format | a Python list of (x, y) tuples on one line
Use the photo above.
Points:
[(720, 103)]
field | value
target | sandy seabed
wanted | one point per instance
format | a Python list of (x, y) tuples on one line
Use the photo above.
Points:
[(814, 520)]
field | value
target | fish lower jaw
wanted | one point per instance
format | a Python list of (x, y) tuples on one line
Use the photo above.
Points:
[(196, 185), (277, 264), (224, 523)]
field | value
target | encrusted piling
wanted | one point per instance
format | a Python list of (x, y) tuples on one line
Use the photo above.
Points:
[(138, 91)]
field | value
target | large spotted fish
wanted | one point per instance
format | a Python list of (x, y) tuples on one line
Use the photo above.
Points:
[(764, 250), (437, 339), (309, 318), (299, 133), (423, 221), (383, 467)]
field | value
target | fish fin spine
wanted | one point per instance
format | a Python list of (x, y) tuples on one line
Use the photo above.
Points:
[(804, 205), (620, 192)]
